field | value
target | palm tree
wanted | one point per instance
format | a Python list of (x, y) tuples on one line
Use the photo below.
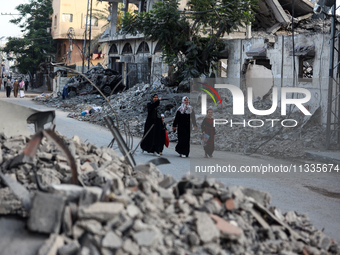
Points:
[(103, 14)]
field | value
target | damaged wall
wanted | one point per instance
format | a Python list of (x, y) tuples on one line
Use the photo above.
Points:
[(260, 79), (141, 52), (278, 51)]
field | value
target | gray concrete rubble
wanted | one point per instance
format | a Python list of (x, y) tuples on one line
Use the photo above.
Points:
[(105, 79), (271, 139), (119, 210)]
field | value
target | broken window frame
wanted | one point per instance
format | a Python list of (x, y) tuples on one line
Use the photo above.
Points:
[(303, 59), (67, 17), (223, 71)]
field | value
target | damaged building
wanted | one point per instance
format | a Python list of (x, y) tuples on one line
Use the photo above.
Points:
[(268, 53)]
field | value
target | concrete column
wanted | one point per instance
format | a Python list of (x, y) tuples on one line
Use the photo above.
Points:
[(126, 5), (248, 31), (114, 15)]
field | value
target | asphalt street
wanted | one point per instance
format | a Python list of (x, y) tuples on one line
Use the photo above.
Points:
[(315, 194)]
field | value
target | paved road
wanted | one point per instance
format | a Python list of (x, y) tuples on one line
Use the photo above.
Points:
[(317, 195)]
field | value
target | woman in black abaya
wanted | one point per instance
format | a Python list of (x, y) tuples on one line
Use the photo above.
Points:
[(182, 123), (151, 142)]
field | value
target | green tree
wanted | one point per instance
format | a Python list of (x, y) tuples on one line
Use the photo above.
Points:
[(37, 44), (191, 39)]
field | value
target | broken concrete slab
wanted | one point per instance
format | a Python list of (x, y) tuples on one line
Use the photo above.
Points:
[(46, 213), (301, 7), (206, 229), (146, 237), (112, 240), (51, 245), (100, 211), (278, 11), (225, 227), (69, 248)]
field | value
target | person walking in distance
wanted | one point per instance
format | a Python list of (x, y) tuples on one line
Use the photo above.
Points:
[(26, 84), (151, 141), (21, 89), (5, 80), (15, 88), (208, 129), (8, 87), (183, 125)]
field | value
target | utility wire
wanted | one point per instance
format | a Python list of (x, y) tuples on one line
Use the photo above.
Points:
[(294, 79)]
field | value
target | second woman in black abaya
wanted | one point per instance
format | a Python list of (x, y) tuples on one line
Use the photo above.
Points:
[(184, 121)]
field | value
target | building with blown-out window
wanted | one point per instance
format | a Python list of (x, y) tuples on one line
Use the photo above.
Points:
[(69, 29)]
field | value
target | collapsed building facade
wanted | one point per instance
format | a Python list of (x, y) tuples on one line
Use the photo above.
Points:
[(287, 45)]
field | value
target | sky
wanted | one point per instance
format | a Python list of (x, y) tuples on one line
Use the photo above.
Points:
[(6, 28)]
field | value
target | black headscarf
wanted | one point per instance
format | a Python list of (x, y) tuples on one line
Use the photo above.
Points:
[(152, 96), (157, 109)]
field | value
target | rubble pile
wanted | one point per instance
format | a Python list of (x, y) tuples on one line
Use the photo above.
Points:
[(105, 79), (272, 138), (130, 106), (120, 210)]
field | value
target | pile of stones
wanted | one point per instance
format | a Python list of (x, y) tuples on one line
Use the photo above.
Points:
[(119, 209), (271, 139)]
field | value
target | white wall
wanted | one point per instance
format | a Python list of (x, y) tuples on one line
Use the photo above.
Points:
[(282, 64)]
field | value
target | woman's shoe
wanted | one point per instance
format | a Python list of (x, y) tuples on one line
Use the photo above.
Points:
[(183, 156), (161, 153), (206, 155)]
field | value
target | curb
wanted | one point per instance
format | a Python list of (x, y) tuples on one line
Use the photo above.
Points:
[(330, 157)]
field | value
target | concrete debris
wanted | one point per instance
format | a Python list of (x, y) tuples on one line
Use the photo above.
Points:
[(106, 80), (49, 219), (130, 105), (148, 213)]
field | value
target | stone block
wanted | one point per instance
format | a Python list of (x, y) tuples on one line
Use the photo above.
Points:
[(100, 211), (46, 213)]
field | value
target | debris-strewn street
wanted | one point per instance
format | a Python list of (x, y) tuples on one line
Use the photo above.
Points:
[(130, 106), (118, 210), (77, 177)]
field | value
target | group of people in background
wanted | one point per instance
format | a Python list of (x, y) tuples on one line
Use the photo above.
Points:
[(17, 85), (155, 131)]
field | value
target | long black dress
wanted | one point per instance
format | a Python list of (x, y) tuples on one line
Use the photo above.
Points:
[(151, 142), (182, 122), (162, 137), (209, 129)]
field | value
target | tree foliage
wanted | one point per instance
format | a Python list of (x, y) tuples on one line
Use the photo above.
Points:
[(103, 14), (37, 44), (190, 39)]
